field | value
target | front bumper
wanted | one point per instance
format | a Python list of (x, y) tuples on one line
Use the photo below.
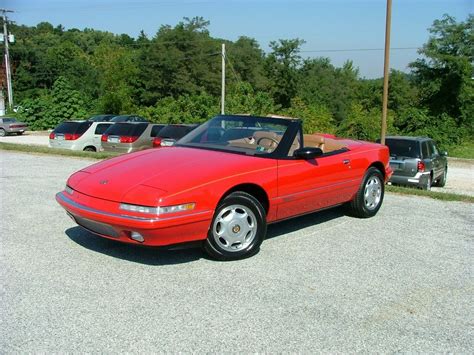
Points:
[(108, 222), (420, 179)]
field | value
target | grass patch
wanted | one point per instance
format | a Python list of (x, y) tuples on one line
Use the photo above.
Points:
[(465, 150), (53, 151), (432, 194)]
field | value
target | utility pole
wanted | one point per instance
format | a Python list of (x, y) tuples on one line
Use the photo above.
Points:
[(386, 66), (6, 38), (223, 81)]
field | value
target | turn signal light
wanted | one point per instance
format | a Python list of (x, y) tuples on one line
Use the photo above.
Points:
[(128, 139), (421, 166)]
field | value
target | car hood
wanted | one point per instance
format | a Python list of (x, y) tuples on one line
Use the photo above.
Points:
[(160, 171)]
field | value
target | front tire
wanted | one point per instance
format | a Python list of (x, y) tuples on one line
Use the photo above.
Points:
[(369, 197), (2, 132), (237, 229)]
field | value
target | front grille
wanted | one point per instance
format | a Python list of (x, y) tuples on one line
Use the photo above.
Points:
[(96, 227)]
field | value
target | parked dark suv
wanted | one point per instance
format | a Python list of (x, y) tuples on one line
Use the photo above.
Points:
[(417, 161)]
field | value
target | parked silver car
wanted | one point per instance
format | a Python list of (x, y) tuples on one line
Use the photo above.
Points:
[(417, 161), (78, 135), (9, 125), (127, 137)]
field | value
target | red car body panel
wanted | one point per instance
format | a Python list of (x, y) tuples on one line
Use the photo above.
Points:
[(180, 175)]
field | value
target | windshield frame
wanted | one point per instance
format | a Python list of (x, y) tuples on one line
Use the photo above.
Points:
[(293, 126)]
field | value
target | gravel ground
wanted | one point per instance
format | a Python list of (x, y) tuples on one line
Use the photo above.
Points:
[(399, 282), (35, 138), (460, 177)]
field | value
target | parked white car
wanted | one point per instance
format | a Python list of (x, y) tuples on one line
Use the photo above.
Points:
[(78, 135)]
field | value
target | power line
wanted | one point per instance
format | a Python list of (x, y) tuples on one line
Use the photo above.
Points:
[(356, 49)]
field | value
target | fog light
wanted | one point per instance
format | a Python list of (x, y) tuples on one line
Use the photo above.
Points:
[(137, 236)]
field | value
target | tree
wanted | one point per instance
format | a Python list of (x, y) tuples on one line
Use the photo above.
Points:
[(282, 66), (316, 117), (320, 83), (444, 73), (247, 58), (183, 60)]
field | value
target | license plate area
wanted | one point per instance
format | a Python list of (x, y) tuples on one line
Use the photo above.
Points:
[(113, 139), (95, 227)]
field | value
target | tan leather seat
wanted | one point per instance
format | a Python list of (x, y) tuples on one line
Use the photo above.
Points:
[(315, 141)]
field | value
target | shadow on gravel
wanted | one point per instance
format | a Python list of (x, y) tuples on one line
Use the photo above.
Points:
[(312, 219), (132, 252), (188, 252)]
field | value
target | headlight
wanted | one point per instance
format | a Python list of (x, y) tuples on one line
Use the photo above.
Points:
[(68, 190), (176, 208), (138, 208), (157, 210)]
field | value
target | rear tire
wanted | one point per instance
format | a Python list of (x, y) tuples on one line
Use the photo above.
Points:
[(89, 149), (369, 197), (442, 180), (237, 229)]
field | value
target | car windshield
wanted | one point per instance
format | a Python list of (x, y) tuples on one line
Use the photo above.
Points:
[(403, 148), (245, 134)]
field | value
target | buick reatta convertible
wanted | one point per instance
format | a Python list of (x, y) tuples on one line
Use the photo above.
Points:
[(224, 182)]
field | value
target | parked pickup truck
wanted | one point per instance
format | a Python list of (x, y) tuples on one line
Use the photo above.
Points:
[(417, 161)]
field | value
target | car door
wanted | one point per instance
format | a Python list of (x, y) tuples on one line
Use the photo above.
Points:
[(310, 185)]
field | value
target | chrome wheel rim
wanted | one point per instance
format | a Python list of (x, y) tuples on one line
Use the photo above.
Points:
[(372, 192), (234, 228)]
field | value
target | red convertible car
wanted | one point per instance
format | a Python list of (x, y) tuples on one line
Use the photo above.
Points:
[(224, 182)]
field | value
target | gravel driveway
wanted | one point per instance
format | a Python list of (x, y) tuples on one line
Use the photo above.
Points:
[(399, 282)]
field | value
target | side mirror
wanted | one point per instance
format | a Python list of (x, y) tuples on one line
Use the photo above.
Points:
[(308, 153), (443, 154)]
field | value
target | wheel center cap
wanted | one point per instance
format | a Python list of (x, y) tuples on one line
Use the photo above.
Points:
[(236, 228)]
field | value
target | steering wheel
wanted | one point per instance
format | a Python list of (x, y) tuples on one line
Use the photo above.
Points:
[(273, 140)]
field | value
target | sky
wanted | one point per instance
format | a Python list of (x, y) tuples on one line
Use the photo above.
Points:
[(339, 29)]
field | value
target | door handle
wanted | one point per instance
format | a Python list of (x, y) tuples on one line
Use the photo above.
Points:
[(346, 161)]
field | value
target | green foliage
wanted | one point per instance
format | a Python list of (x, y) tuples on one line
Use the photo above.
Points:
[(316, 118), (282, 70), (323, 84), (463, 150), (243, 99), (184, 109), (61, 104), (364, 124), (444, 73), (35, 111)]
